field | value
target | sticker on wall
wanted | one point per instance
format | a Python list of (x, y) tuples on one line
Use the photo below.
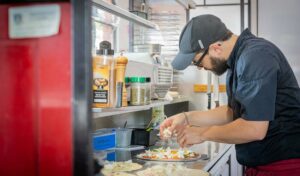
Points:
[(34, 21)]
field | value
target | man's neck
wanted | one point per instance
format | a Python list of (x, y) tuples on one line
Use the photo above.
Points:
[(230, 45)]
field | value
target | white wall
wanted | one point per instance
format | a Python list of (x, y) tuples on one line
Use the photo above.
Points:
[(123, 29), (278, 21)]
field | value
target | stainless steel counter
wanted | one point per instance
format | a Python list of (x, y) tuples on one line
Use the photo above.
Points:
[(211, 152)]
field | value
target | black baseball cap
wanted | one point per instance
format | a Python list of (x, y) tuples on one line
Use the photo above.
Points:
[(200, 32)]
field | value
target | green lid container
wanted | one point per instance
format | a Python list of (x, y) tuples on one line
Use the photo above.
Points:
[(127, 79), (148, 79), (137, 79)]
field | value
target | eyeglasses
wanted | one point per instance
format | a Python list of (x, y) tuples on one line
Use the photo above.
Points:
[(198, 63)]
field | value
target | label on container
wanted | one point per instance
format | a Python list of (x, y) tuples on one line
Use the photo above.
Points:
[(100, 96), (34, 21)]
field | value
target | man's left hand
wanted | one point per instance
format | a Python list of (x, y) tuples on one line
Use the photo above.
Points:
[(191, 135)]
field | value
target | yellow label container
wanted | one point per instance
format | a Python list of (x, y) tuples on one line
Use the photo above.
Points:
[(103, 69)]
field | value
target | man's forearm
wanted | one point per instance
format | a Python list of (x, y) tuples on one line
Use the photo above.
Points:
[(217, 116), (237, 132)]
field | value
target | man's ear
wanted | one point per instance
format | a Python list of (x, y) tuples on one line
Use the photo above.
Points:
[(217, 47)]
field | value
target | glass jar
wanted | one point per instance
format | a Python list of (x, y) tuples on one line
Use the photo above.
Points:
[(147, 90), (137, 96)]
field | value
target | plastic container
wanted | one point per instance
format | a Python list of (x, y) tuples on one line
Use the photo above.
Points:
[(104, 77), (104, 139), (123, 137), (158, 115), (143, 136), (147, 98), (137, 96)]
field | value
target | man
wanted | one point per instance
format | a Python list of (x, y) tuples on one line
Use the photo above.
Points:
[(263, 113)]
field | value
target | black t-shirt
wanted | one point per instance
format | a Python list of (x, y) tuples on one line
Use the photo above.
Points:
[(261, 86)]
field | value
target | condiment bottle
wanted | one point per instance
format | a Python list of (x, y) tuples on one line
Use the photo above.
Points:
[(121, 63), (104, 77)]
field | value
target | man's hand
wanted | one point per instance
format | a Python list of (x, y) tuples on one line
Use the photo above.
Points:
[(173, 123), (190, 135)]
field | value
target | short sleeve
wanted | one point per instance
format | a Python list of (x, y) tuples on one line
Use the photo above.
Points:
[(257, 86)]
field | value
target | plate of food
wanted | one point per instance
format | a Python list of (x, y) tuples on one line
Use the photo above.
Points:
[(168, 154)]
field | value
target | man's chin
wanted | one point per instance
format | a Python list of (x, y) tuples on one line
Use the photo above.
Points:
[(217, 73)]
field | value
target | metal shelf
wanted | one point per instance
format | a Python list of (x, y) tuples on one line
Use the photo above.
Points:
[(104, 112), (113, 9)]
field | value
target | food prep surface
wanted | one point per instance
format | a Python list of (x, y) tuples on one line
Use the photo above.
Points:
[(210, 153)]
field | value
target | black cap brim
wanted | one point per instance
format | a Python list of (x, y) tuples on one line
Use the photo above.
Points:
[(183, 60)]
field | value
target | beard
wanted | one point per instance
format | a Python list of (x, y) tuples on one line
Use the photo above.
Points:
[(219, 65)]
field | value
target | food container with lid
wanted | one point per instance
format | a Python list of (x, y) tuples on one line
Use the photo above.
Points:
[(137, 95)]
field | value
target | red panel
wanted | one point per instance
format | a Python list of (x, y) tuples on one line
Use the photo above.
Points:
[(18, 120), (36, 101), (55, 100)]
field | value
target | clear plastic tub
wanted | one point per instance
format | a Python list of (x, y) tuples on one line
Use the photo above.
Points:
[(123, 137)]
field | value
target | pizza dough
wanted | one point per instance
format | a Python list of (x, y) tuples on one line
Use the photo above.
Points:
[(152, 171), (119, 168), (119, 174), (171, 170)]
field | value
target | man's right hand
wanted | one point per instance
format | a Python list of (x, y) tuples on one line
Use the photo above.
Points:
[(173, 123)]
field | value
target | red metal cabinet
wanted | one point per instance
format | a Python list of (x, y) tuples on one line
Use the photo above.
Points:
[(36, 136)]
